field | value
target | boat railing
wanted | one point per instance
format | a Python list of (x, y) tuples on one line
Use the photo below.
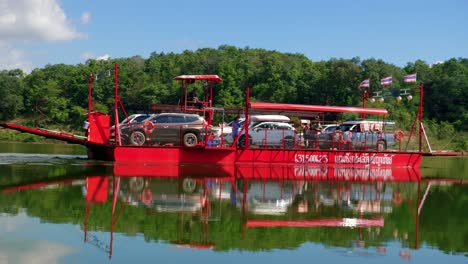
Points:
[(213, 137)]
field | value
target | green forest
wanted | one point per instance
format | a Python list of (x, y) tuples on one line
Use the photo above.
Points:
[(55, 96)]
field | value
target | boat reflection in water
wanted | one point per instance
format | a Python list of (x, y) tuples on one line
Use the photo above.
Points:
[(264, 197), (255, 208)]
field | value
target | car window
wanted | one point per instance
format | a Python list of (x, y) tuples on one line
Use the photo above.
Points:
[(140, 118), (126, 120), (345, 127), (284, 126), (264, 125), (177, 119), (189, 119), (162, 119), (330, 128)]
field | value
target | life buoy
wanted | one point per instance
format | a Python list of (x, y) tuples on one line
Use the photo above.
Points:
[(136, 184), (148, 126), (399, 135)]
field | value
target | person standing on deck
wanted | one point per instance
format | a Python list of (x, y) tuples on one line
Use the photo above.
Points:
[(235, 128)]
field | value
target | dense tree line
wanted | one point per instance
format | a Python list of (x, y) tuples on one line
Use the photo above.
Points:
[(57, 94)]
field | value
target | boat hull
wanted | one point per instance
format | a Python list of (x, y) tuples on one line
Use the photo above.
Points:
[(225, 156)]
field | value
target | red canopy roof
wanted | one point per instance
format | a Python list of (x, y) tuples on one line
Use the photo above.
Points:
[(316, 108), (214, 78)]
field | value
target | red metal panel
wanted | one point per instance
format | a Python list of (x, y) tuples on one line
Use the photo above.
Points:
[(171, 170), (213, 78), (344, 158), (175, 155), (316, 108), (271, 172), (329, 172), (97, 189), (266, 156), (99, 127)]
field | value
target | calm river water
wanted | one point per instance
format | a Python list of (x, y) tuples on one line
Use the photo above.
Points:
[(58, 207)]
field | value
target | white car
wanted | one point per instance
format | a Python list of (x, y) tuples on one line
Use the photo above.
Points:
[(254, 120), (270, 134)]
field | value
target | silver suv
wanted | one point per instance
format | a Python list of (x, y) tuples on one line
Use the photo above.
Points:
[(167, 128), (270, 134)]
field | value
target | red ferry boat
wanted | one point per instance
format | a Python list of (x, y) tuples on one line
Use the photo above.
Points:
[(337, 151)]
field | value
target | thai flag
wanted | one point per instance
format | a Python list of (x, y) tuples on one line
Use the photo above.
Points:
[(386, 81), (364, 84), (410, 78)]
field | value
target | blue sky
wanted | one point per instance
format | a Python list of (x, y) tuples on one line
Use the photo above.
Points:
[(34, 33)]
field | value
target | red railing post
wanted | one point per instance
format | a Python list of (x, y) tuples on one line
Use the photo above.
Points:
[(116, 109), (246, 122), (316, 140), (420, 112), (364, 98), (180, 137), (282, 131)]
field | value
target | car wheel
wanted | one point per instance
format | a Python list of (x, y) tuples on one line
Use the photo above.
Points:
[(190, 140), (189, 185), (137, 138), (241, 142), (136, 184), (325, 141)]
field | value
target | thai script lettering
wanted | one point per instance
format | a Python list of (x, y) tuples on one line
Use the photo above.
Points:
[(364, 173), (365, 158), (345, 173)]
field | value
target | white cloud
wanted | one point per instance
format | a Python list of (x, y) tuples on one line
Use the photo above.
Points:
[(34, 20), (85, 18), (16, 249), (89, 55), (103, 57), (14, 59), (12, 224), (34, 251), (23, 21), (435, 63)]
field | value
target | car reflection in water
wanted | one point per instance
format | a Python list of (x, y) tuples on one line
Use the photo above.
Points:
[(199, 206), (262, 197), (162, 195)]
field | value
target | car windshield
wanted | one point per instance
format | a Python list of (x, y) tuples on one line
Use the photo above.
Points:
[(125, 121), (345, 127), (330, 128), (140, 118), (135, 119)]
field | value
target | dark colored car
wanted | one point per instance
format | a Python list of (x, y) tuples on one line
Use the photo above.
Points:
[(135, 118), (166, 128)]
